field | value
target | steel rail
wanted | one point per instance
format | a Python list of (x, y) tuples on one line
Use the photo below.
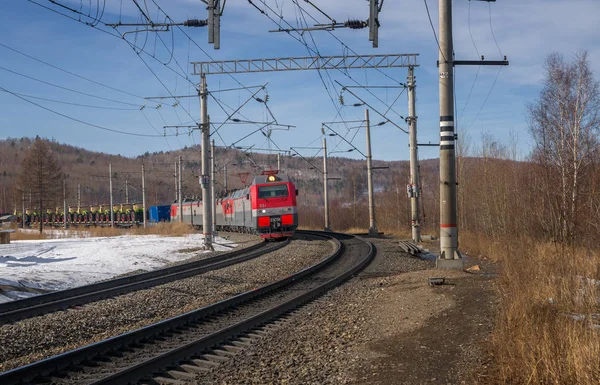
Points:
[(46, 303), (114, 345)]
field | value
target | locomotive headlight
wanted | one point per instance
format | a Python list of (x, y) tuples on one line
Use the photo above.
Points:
[(263, 211), (271, 178)]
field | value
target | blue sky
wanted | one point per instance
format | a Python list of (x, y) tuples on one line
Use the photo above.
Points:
[(525, 31)]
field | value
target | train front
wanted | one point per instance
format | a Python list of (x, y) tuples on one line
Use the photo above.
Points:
[(274, 210)]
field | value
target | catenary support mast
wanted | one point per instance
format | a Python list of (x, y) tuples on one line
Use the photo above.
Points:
[(112, 211), (449, 254), (213, 206), (144, 193), (180, 197), (325, 188), (414, 191), (65, 203), (372, 223), (205, 178)]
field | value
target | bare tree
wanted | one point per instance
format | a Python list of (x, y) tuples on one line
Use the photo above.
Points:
[(41, 176), (564, 122)]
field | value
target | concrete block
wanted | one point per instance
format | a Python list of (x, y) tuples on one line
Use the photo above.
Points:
[(457, 264)]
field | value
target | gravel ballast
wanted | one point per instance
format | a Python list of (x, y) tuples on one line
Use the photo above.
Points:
[(31, 340), (386, 326)]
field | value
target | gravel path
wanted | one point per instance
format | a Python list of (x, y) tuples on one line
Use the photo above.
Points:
[(386, 326), (40, 337)]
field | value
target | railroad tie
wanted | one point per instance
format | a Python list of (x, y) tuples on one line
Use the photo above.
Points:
[(214, 358), (203, 363), (223, 353), (232, 348), (181, 375), (194, 369), (168, 381)]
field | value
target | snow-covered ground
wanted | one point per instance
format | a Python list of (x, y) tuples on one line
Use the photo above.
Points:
[(58, 264)]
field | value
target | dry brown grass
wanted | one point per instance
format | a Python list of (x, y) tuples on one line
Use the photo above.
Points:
[(169, 229), (536, 340), (165, 229), (20, 235)]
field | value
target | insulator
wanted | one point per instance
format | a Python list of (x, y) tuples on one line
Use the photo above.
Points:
[(355, 24), (259, 100), (342, 100), (266, 98), (195, 23)]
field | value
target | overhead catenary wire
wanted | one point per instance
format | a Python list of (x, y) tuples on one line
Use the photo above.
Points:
[(79, 120), (345, 46), (69, 72), (67, 88), (77, 104), (433, 29)]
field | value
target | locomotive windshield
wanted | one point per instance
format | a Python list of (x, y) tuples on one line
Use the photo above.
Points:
[(272, 191)]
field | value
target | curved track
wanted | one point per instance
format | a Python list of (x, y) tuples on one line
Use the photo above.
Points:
[(59, 300), (184, 341)]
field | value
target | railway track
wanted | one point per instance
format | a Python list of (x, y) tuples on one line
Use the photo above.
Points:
[(60, 300), (185, 346)]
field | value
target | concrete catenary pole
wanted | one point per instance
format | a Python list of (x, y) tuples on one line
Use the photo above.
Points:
[(65, 203), (176, 181), (225, 178), (205, 178), (126, 191), (23, 215), (372, 222), (112, 212), (278, 161), (449, 255), (144, 193), (78, 195), (180, 197), (325, 189), (414, 191), (213, 206)]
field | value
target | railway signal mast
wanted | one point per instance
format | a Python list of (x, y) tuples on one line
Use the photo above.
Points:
[(449, 256)]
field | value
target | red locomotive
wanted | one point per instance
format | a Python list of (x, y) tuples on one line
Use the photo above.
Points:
[(267, 207)]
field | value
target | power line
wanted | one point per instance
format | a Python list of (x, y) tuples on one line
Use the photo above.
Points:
[(433, 29), (78, 120), (492, 29), (69, 72), (470, 33), (67, 89), (77, 104), (486, 98)]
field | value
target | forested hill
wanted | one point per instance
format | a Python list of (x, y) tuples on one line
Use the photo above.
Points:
[(90, 170)]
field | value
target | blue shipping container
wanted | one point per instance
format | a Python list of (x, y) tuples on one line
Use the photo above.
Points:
[(160, 213)]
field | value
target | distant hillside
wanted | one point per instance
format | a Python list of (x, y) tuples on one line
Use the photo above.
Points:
[(89, 170)]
